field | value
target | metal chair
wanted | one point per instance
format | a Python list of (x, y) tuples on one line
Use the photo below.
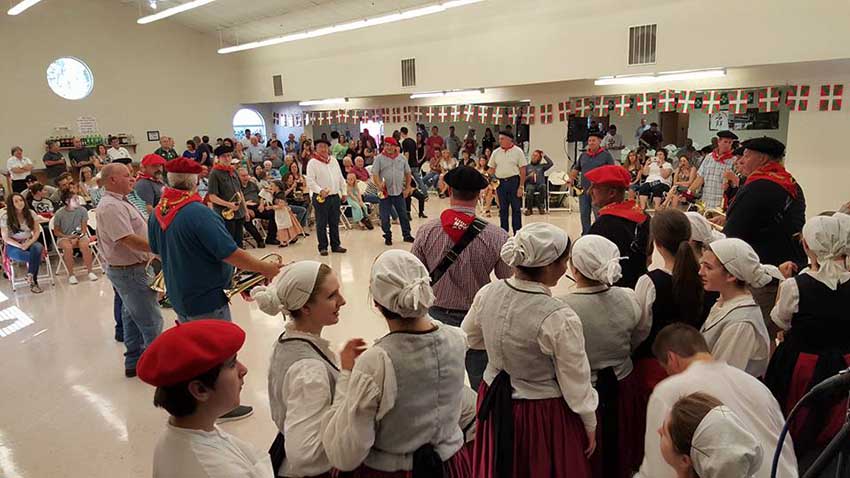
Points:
[(96, 262), (559, 179), (9, 266)]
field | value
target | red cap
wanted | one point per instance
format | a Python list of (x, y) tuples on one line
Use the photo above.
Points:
[(183, 165), (153, 160), (611, 175), (187, 350), (391, 141)]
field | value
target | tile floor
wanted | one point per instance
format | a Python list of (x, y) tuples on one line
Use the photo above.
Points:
[(67, 408)]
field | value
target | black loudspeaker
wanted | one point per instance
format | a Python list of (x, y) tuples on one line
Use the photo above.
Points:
[(522, 133), (576, 129)]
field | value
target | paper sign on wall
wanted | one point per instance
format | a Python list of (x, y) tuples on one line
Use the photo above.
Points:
[(87, 125)]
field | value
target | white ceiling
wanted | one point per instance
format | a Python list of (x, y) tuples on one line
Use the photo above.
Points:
[(241, 21)]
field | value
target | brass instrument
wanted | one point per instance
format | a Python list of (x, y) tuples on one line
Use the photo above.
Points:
[(241, 283), (710, 214), (228, 214)]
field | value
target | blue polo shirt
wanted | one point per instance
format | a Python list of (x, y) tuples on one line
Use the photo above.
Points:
[(192, 250)]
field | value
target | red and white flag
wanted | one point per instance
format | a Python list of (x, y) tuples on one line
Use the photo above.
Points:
[(646, 103), (482, 114), (365, 116), (455, 113), (430, 114), (769, 99), (623, 105), (443, 114), (467, 112), (601, 107), (582, 107), (546, 114), (417, 113), (343, 116), (738, 102), (687, 101), (396, 115), (528, 115), (711, 102), (497, 115), (797, 97), (513, 114), (667, 100), (564, 111), (322, 117), (830, 97)]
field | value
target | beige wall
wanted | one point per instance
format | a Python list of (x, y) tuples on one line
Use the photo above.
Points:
[(146, 77)]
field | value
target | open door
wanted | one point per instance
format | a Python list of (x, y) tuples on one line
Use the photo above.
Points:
[(674, 127)]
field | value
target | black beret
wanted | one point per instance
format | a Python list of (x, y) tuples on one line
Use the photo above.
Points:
[(739, 151), (222, 150), (769, 146), (727, 134), (465, 178), (321, 141), (597, 134), (506, 133)]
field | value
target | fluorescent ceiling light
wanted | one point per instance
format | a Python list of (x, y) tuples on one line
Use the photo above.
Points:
[(354, 25), (660, 78), (328, 101), (436, 94), (173, 11), (19, 8)]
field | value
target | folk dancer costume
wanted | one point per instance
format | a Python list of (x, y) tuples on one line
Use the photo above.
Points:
[(399, 412), (609, 318), (723, 447), (812, 309), (536, 403)]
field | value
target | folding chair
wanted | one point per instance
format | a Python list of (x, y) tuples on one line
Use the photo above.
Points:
[(346, 223), (9, 267), (558, 178), (96, 262)]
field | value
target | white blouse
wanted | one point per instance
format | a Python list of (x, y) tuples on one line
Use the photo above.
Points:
[(788, 300), (186, 453), (738, 344), (645, 294)]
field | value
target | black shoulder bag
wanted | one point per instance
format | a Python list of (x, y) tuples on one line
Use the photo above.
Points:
[(451, 256)]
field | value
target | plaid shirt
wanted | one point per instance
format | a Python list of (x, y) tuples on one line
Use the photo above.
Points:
[(711, 172)]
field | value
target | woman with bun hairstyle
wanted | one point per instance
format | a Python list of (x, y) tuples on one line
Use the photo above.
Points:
[(537, 407), (399, 408), (304, 369)]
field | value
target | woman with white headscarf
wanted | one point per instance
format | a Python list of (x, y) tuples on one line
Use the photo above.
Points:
[(812, 309), (735, 329), (304, 369), (537, 407), (702, 438), (398, 408), (609, 318)]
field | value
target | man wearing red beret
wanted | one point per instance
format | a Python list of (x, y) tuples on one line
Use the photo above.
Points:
[(149, 181), (198, 377), (619, 220)]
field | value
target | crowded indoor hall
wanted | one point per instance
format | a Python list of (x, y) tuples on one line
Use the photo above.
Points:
[(425, 239)]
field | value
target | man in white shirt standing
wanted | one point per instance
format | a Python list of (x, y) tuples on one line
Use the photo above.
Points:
[(613, 141), (327, 186), (685, 356), (507, 163), (19, 168)]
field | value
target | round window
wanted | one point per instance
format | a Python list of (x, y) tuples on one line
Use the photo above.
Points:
[(70, 78)]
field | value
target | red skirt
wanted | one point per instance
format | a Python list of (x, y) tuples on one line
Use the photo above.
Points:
[(458, 466), (833, 418), (631, 425), (549, 441)]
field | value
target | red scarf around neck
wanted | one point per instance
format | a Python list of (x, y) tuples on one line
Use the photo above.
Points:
[(723, 157), (324, 160), (626, 210), (147, 176), (228, 169), (776, 173), (455, 223), (595, 153), (172, 201)]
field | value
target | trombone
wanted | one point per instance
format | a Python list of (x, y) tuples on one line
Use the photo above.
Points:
[(241, 283)]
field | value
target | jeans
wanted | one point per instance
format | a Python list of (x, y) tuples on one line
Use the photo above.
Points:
[(118, 313), (140, 313), (32, 256), (222, 313), (508, 200), (372, 199), (234, 227), (395, 203), (327, 221), (533, 200), (420, 196), (420, 182), (300, 213), (585, 207), (476, 360), (430, 180)]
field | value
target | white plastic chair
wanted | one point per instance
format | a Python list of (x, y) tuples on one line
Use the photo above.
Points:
[(46, 273), (559, 178), (96, 263)]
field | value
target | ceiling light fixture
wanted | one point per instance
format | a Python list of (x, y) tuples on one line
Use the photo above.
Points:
[(19, 8), (173, 11), (152, 4), (660, 78), (437, 94), (354, 25), (328, 101)]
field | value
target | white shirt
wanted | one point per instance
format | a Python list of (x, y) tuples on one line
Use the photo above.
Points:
[(739, 344), (118, 153), (14, 162), (645, 295), (655, 173), (788, 300), (321, 175), (613, 141), (742, 393), (507, 163), (184, 453)]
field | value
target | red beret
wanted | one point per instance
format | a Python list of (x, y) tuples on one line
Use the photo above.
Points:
[(183, 165), (153, 160), (187, 350), (391, 140), (610, 175)]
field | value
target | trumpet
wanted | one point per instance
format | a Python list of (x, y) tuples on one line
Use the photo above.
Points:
[(242, 282), (228, 214), (710, 213)]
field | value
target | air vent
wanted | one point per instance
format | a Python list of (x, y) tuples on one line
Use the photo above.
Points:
[(408, 72), (278, 85), (642, 44)]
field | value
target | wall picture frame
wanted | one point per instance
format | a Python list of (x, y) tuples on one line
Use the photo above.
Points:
[(153, 135)]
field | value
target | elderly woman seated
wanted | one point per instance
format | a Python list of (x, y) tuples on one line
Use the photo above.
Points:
[(271, 173)]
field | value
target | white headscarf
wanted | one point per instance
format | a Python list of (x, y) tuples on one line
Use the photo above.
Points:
[(844, 231), (401, 283), (597, 258), (536, 245), (824, 237), (701, 229), (723, 448), (290, 290), (741, 261)]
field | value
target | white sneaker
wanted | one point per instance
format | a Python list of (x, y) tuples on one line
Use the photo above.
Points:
[(92, 276), (73, 280)]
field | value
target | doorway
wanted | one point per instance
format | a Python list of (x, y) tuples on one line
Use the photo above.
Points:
[(674, 127)]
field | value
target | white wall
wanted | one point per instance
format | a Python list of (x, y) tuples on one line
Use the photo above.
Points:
[(699, 132), (146, 77)]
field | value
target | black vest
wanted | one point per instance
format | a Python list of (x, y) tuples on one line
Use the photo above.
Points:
[(822, 320), (631, 239)]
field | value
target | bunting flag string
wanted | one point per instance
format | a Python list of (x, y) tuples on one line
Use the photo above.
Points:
[(455, 113), (667, 100), (546, 114), (830, 97), (482, 114), (624, 104), (768, 99), (564, 111), (797, 98), (646, 103)]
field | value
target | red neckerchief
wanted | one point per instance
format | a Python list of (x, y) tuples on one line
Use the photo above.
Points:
[(625, 209), (228, 169), (455, 223), (506, 149), (172, 201), (776, 173), (723, 157), (392, 157), (595, 153), (324, 160), (147, 176)]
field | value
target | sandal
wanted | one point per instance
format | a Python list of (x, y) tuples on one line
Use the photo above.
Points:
[(284, 244), (36, 289)]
